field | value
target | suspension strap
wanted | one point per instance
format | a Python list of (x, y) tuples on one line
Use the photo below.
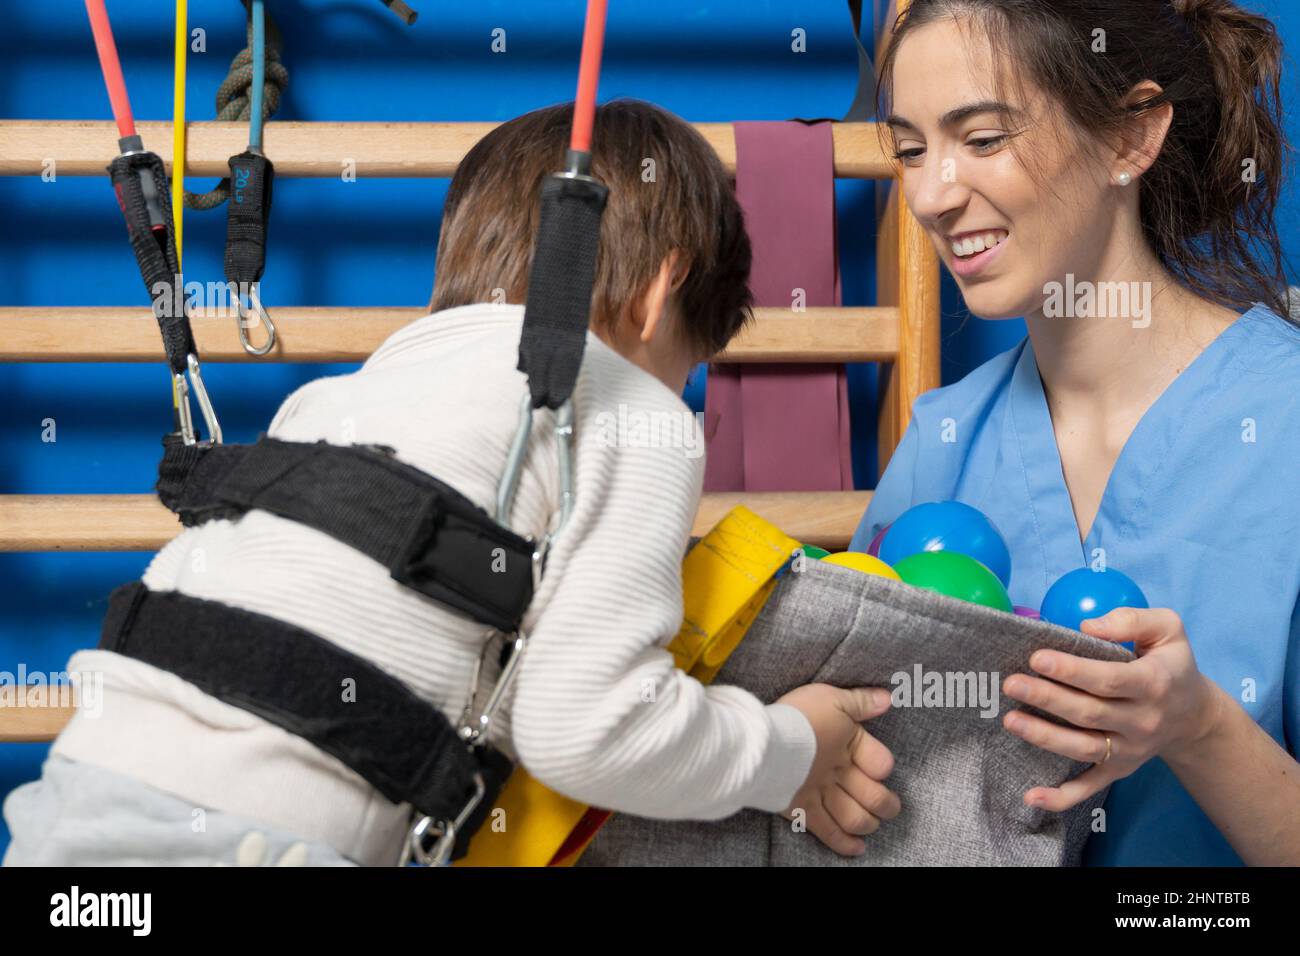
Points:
[(558, 310), (251, 178), (432, 538), (401, 745), (140, 182)]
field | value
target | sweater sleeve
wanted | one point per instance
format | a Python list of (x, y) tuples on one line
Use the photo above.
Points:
[(601, 714)]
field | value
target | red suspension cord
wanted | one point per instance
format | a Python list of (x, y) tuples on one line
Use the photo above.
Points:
[(584, 111), (111, 67)]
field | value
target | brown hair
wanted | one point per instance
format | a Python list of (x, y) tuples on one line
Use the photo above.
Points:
[(683, 200), (1210, 223)]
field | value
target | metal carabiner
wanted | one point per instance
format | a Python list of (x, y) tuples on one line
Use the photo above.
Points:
[(261, 316), (519, 451), (445, 831), (181, 396)]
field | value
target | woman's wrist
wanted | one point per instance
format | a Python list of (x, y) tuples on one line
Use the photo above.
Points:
[(1212, 712)]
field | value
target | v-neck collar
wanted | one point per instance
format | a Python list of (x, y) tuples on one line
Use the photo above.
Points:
[(1035, 438)]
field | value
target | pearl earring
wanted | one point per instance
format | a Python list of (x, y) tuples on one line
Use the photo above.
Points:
[(1124, 178)]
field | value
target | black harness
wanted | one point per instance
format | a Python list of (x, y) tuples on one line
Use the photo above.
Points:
[(432, 538)]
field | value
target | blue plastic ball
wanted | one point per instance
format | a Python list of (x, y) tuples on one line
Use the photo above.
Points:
[(1084, 593), (948, 526)]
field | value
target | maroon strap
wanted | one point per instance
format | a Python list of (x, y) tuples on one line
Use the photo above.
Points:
[(783, 427)]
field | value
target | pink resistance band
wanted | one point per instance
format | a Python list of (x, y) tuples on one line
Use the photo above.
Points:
[(783, 427)]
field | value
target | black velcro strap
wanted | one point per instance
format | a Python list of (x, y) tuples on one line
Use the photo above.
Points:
[(140, 182), (431, 537), (404, 747), (249, 210), (557, 313)]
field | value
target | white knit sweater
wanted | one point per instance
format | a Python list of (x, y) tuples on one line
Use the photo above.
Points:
[(598, 713)]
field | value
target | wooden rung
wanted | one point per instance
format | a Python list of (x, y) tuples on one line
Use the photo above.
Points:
[(827, 519), (32, 714), (141, 523), (323, 150), (305, 334)]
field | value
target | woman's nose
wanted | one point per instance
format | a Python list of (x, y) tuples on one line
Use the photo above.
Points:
[(935, 190)]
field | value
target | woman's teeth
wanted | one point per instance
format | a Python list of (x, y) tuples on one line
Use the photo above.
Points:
[(974, 245)]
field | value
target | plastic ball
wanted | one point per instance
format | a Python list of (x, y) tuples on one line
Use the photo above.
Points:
[(864, 563), (873, 549), (948, 526), (1029, 612), (956, 575), (812, 552), (1084, 593)]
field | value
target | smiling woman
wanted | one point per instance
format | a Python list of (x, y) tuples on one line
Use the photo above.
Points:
[(1183, 96), (1082, 164)]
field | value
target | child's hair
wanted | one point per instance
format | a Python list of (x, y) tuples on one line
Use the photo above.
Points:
[(667, 190), (1207, 203)]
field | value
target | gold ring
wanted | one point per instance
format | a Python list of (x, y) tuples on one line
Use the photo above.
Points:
[(1107, 757)]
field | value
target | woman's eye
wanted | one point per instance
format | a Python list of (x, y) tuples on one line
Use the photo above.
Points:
[(987, 144), (909, 156)]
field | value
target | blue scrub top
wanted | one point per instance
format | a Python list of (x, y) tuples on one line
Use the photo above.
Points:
[(1202, 510)]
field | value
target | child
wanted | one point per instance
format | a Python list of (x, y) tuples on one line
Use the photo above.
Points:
[(671, 291)]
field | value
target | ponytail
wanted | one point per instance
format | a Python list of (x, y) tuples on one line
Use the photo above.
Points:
[(1242, 162)]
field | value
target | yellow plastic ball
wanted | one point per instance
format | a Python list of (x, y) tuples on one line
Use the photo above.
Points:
[(862, 562)]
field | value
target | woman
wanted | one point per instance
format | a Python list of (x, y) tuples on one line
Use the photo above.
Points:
[(1108, 169)]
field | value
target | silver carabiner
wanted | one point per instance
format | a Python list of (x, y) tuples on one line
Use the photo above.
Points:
[(519, 451), (445, 831), (182, 396), (262, 316)]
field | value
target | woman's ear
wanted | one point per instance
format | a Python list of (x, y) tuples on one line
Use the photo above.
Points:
[(1145, 132)]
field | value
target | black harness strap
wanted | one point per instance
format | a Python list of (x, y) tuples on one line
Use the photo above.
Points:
[(251, 177), (140, 182), (431, 537), (339, 702), (558, 310)]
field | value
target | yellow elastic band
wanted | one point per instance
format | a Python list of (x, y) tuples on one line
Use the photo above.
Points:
[(178, 125)]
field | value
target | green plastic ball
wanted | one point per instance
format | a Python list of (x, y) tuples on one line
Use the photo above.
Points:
[(955, 575)]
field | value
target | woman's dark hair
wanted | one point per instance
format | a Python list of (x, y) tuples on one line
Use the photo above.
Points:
[(685, 200), (1207, 204)]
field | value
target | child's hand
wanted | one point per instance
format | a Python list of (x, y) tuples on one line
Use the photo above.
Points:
[(842, 798)]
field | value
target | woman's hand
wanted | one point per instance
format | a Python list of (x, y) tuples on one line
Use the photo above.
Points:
[(1157, 705)]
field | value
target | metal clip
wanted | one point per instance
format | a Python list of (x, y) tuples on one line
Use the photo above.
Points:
[(519, 451), (445, 832), (261, 315), (182, 397)]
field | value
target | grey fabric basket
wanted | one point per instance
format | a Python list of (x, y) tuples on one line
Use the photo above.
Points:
[(960, 776)]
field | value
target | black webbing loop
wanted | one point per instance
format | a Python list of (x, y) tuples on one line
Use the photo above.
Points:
[(140, 182), (401, 745), (251, 177), (558, 310), (430, 536)]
